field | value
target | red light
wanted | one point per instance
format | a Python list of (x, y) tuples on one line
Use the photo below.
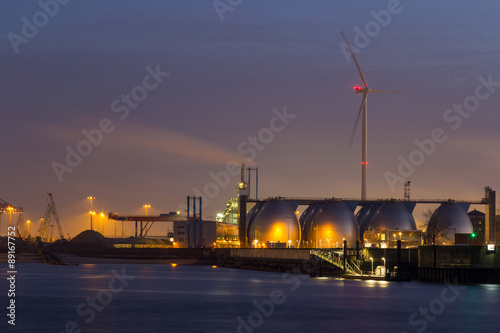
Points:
[(364, 163), (357, 88)]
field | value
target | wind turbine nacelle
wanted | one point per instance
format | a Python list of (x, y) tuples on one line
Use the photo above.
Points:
[(359, 90)]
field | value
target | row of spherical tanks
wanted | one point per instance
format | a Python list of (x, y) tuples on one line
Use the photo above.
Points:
[(276, 223)]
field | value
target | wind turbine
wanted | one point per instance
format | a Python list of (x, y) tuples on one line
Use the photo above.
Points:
[(365, 90)]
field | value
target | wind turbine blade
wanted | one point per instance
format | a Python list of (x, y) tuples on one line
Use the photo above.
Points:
[(388, 92), (363, 102), (355, 60)]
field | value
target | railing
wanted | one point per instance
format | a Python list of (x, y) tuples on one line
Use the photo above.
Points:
[(336, 258), (311, 200)]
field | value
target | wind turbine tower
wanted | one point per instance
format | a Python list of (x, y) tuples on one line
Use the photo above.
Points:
[(365, 90)]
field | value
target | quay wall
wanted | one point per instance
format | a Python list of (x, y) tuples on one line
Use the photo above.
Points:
[(463, 264)]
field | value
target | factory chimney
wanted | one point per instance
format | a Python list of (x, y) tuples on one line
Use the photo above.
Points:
[(242, 209)]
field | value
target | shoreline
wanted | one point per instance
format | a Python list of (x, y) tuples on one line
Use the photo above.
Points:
[(24, 258)]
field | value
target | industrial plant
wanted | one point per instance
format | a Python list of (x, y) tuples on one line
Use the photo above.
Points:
[(352, 235), (329, 222)]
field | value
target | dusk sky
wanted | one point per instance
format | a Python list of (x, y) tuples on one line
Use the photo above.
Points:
[(225, 78)]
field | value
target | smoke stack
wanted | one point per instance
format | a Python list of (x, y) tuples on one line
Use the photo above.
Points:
[(242, 209)]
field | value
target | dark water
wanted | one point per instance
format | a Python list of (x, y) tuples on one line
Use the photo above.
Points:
[(162, 298)]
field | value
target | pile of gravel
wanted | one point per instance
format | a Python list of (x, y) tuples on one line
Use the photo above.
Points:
[(91, 237)]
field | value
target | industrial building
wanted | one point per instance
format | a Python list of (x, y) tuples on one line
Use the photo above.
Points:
[(332, 222), (389, 238), (227, 226), (329, 222), (478, 219), (207, 230)]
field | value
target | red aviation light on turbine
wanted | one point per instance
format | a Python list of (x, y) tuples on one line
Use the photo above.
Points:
[(356, 88), (364, 163)]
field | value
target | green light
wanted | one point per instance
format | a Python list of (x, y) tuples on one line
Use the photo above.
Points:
[(473, 235)]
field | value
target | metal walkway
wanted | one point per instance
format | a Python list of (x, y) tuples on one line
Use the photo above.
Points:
[(309, 201), (336, 258)]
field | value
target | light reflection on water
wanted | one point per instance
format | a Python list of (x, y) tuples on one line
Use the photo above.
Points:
[(201, 299), (377, 284)]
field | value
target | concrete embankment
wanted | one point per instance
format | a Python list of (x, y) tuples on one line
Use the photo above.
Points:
[(465, 264), (200, 256), (273, 260)]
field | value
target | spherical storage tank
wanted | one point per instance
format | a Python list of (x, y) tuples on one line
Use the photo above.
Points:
[(364, 218), (305, 216), (447, 220), (392, 215), (361, 213), (251, 213), (332, 223), (306, 220), (273, 222)]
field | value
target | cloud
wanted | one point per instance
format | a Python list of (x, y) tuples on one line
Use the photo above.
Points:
[(471, 146), (132, 137), (166, 141)]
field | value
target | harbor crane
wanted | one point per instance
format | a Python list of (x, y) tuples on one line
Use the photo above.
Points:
[(7, 208), (46, 225)]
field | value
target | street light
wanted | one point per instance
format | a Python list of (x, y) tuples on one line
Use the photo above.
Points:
[(288, 231), (10, 215), (91, 198), (316, 228), (28, 222), (255, 236), (102, 222), (91, 213), (372, 265), (146, 206)]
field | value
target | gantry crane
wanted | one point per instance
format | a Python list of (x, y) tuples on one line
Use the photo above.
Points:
[(45, 225), (7, 208)]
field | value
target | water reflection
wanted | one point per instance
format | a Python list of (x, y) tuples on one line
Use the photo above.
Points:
[(204, 299)]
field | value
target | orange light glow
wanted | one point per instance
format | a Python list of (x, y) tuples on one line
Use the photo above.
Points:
[(173, 265)]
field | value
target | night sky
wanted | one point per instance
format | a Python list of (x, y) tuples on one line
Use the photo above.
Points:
[(225, 78)]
